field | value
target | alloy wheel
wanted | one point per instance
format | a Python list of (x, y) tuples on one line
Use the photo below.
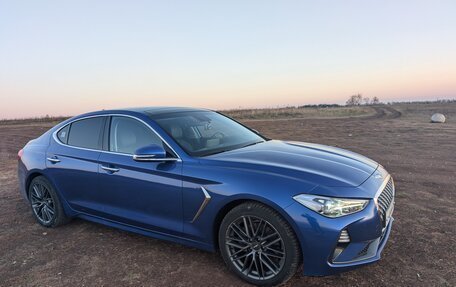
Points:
[(255, 247), (42, 203)]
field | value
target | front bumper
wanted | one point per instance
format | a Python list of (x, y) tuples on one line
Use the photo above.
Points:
[(319, 237)]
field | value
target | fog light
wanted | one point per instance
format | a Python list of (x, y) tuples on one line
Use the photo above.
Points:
[(344, 237)]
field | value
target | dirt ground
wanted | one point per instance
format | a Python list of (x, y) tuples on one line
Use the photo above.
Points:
[(421, 250)]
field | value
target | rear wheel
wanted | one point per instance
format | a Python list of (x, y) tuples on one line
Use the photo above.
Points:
[(45, 203), (259, 245)]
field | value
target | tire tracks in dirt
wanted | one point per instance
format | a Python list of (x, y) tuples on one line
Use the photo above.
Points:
[(387, 112), (381, 112)]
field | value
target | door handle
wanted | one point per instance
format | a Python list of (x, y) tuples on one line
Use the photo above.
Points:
[(110, 169), (53, 159)]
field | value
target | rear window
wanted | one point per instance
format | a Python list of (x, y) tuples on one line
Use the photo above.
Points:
[(86, 133)]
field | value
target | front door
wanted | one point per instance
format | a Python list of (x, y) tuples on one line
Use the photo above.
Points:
[(142, 194)]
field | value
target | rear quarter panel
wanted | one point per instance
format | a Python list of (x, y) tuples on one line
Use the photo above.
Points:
[(32, 161)]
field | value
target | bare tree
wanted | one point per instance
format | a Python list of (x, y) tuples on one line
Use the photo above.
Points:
[(366, 100), (375, 101), (355, 100)]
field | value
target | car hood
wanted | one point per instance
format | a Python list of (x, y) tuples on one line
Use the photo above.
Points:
[(319, 164)]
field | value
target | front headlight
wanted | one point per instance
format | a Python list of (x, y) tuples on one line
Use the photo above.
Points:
[(330, 206)]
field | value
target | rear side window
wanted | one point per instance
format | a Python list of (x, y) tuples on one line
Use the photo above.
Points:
[(62, 135), (127, 135), (86, 133)]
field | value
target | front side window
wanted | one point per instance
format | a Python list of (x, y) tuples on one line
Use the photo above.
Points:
[(86, 133), (127, 135), (205, 133)]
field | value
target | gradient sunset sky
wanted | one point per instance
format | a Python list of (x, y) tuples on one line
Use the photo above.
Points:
[(70, 57)]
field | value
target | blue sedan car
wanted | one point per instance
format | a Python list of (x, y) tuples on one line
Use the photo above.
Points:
[(199, 178)]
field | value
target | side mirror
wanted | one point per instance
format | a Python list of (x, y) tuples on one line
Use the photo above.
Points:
[(151, 153)]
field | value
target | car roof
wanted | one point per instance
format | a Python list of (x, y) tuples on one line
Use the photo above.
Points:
[(151, 112), (148, 111), (164, 110)]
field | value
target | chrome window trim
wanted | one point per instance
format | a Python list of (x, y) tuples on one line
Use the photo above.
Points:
[(54, 135), (144, 158)]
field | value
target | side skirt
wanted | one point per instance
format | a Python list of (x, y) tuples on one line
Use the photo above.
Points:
[(147, 232)]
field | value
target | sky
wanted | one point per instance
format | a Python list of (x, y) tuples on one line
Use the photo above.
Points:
[(69, 57)]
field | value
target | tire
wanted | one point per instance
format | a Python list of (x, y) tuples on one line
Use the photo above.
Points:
[(45, 203), (267, 253)]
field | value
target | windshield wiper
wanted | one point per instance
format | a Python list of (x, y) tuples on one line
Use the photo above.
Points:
[(218, 151), (230, 149), (250, 144)]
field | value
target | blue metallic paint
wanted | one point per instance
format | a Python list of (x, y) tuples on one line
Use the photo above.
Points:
[(154, 193), (161, 199)]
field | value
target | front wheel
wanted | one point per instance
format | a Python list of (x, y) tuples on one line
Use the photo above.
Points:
[(259, 245)]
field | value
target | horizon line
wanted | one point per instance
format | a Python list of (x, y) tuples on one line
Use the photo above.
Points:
[(330, 105)]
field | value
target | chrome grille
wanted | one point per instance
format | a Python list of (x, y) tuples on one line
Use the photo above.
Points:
[(385, 201)]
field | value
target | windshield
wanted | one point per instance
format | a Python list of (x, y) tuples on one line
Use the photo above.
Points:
[(203, 133)]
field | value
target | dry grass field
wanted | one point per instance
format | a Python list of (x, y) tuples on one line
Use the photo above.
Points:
[(421, 251)]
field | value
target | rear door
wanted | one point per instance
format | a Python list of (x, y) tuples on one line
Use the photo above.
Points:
[(72, 162), (143, 194)]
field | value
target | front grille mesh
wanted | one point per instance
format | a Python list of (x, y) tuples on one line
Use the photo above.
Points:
[(364, 250), (385, 199)]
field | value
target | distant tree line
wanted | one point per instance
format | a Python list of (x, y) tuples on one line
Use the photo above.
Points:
[(358, 100), (319, 106)]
